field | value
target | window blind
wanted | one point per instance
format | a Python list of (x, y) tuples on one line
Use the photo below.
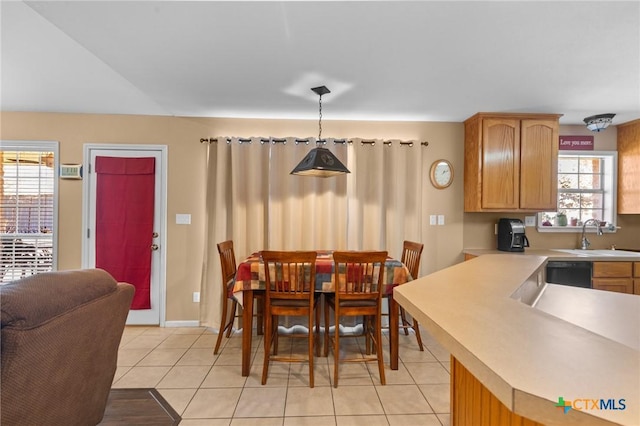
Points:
[(27, 201)]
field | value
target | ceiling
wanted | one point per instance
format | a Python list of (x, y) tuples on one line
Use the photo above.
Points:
[(407, 61)]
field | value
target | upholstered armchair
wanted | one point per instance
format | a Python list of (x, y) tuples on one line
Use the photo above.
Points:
[(60, 338)]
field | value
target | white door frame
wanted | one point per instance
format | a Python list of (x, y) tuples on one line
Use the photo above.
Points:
[(163, 211)]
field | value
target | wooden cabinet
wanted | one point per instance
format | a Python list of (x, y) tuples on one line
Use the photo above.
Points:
[(613, 276), (511, 162), (636, 278), (629, 167)]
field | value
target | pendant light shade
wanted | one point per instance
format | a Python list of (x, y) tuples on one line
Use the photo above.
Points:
[(597, 123), (320, 161)]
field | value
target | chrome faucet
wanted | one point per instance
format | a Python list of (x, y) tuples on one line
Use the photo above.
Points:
[(585, 242)]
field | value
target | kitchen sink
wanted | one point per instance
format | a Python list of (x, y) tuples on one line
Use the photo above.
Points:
[(599, 253)]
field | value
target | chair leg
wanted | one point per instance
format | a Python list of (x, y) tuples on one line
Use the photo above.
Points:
[(267, 347), (311, 354), (416, 328), (223, 326), (336, 349), (234, 308), (326, 329), (316, 329), (379, 354), (405, 323), (260, 315)]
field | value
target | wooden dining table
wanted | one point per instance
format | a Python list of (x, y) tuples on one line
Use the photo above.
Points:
[(250, 279)]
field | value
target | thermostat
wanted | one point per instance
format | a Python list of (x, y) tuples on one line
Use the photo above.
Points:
[(70, 171)]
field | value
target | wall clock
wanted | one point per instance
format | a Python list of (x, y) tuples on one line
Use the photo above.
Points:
[(441, 174)]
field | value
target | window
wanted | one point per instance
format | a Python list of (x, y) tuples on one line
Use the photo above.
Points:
[(28, 215), (586, 190)]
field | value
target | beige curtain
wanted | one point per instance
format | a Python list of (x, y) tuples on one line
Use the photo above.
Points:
[(253, 200)]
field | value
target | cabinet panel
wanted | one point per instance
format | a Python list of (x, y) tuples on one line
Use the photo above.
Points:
[(500, 158), (612, 269), (629, 167), (539, 165), (620, 285), (636, 286), (636, 269)]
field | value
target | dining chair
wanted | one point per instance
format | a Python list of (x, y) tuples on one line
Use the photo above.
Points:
[(290, 278), (358, 292), (411, 253), (228, 266)]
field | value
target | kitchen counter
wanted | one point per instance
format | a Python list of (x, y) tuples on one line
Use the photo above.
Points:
[(561, 254), (530, 343)]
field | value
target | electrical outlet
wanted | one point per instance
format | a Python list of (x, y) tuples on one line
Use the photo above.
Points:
[(529, 221), (196, 296)]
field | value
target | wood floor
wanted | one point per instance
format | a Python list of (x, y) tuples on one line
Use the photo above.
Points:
[(138, 407)]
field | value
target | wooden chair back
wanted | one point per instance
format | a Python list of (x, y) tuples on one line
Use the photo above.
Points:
[(359, 274), (411, 253), (289, 274), (228, 264)]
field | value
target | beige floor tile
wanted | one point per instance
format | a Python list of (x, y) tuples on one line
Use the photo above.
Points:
[(411, 419), (361, 420), (144, 342), (130, 357), (142, 377), (189, 330), (190, 376), (352, 374), (198, 356), (205, 422), (356, 400), (299, 374), (310, 421), (438, 396), (428, 373), (413, 354), (261, 402), (277, 376), (224, 377), (403, 399), (439, 352), (159, 331), (212, 403), (316, 401), (178, 399), (270, 421), (206, 340), (393, 377), (120, 371), (178, 341), (445, 419), (162, 357)]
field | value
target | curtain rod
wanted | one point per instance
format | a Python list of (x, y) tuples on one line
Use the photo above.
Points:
[(306, 141)]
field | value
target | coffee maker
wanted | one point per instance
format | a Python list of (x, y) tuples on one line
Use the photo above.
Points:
[(511, 235)]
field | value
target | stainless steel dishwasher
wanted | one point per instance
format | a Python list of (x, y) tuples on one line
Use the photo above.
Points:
[(573, 273)]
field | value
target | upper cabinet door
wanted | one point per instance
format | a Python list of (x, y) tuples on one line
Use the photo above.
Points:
[(500, 163), (629, 167), (511, 162), (539, 164)]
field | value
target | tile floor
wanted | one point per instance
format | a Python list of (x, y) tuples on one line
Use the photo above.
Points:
[(207, 389)]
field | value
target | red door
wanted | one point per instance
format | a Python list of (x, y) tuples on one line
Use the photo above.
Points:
[(124, 222)]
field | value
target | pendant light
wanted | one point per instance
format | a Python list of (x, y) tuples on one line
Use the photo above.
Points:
[(320, 161)]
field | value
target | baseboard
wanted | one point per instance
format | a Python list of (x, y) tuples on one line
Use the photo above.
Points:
[(192, 323)]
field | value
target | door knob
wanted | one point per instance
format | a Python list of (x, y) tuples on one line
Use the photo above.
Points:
[(154, 235), (154, 247)]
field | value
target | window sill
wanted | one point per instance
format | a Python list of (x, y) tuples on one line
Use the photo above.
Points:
[(609, 229)]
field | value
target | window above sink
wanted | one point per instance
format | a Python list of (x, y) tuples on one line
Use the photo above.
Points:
[(587, 183)]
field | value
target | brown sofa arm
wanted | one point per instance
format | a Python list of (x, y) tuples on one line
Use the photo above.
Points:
[(60, 338)]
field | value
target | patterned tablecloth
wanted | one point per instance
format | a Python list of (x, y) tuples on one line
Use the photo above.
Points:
[(250, 274)]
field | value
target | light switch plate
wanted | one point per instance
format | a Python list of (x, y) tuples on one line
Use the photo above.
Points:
[(432, 219), (183, 219), (529, 221), (440, 219)]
